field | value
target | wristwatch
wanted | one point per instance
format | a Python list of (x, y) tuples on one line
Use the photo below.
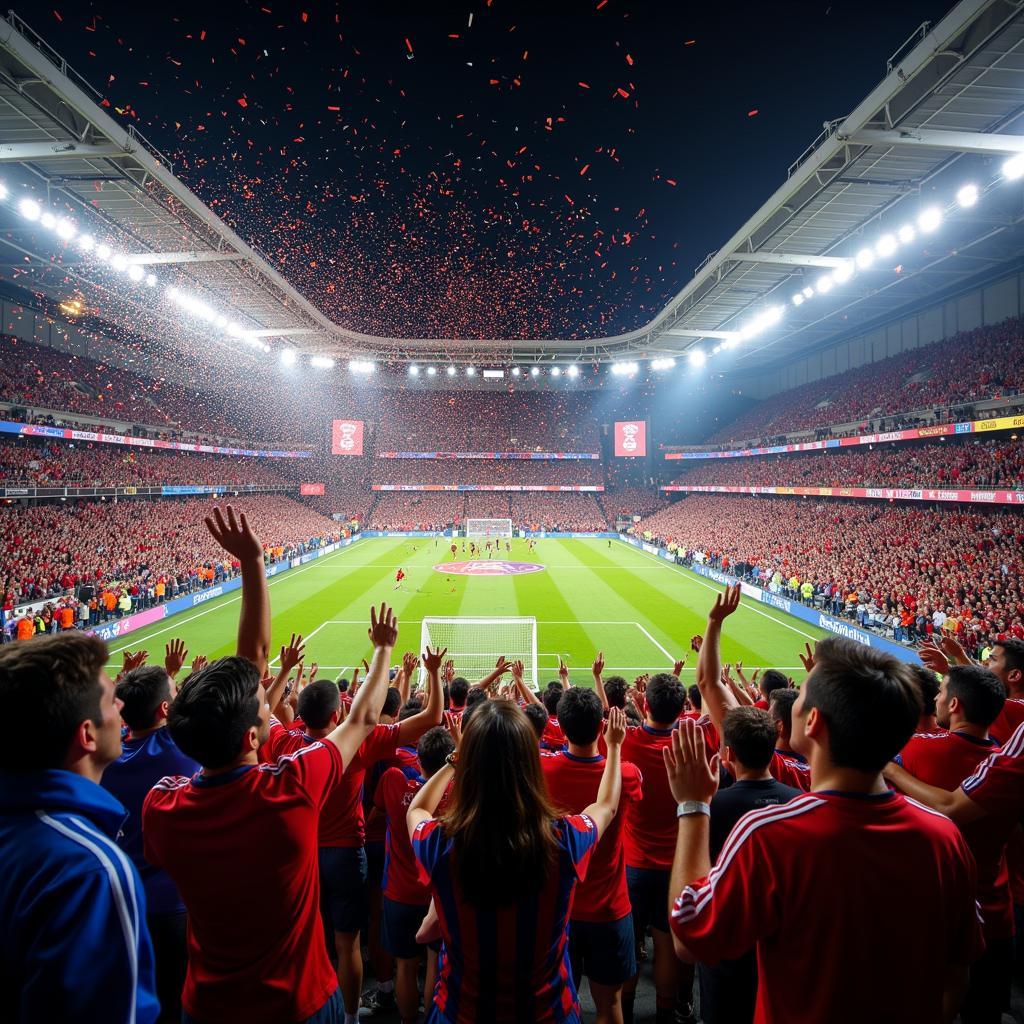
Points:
[(691, 807), (452, 759)]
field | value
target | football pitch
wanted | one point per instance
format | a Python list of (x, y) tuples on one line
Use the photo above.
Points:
[(640, 610)]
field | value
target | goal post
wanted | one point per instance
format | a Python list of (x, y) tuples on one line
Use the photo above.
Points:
[(488, 527), (475, 644)]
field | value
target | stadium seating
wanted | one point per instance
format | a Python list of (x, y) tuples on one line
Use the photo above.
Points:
[(569, 511), (968, 367), (993, 463), (965, 562)]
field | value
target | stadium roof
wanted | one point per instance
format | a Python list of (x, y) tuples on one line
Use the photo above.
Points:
[(947, 113)]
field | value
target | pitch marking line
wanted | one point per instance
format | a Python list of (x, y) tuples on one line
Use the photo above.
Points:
[(181, 621), (708, 586), (305, 640)]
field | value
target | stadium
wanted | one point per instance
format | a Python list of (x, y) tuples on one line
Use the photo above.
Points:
[(435, 590)]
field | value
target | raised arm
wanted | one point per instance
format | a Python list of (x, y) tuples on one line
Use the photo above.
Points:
[(501, 666), (416, 725), (955, 803), (606, 806), (365, 711), (236, 538), (563, 674), (291, 655), (409, 665), (598, 669), (717, 697), (527, 695)]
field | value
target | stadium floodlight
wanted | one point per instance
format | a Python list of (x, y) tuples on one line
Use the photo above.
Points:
[(1014, 167), (103, 252), (798, 299), (474, 644), (843, 272), (431, 371), (65, 229), (535, 371), (451, 371), (135, 272), (716, 350), (322, 362), (864, 259), (556, 371), (929, 219), (288, 357), (967, 196), (470, 371), (151, 280), (886, 246), (574, 371), (364, 366), (515, 371), (3, 190), (698, 357), (48, 220), (29, 209), (906, 233), (824, 285), (414, 371), (663, 364), (86, 243)]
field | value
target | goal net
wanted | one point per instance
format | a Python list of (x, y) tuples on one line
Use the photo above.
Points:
[(488, 527), (474, 645)]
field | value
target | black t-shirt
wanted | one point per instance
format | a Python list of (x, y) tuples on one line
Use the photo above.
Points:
[(729, 805)]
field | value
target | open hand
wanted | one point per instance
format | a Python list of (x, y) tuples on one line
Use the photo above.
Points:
[(691, 776), (174, 657), (198, 662), (383, 631), (678, 666), (432, 659), (598, 667), (725, 604), (615, 728), (234, 535), (130, 661), (292, 653), (807, 659)]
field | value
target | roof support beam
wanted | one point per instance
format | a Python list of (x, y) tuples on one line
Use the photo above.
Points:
[(19, 152), (928, 138), (281, 332), (681, 332), (787, 259), (145, 259)]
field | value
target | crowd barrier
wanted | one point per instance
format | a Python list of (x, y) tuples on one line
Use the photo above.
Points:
[(794, 609), (67, 434), (913, 434), (120, 627), (970, 497)]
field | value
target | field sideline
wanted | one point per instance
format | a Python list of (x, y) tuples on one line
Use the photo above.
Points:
[(639, 609)]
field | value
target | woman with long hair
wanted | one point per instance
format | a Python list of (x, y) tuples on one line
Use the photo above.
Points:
[(502, 866)]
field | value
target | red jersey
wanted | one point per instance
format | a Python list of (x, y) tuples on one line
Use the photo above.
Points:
[(399, 576), (510, 962), (241, 848), (998, 784), (945, 759), (789, 771), (1009, 718), (376, 824), (552, 738), (342, 821), (818, 880), (394, 793), (573, 783), (650, 832)]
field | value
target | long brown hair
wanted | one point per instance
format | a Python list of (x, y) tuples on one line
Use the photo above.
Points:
[(499, 817)]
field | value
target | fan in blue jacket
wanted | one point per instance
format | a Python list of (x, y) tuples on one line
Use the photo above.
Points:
[(74, 946)]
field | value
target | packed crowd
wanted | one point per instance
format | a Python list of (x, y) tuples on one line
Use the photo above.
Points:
[(983, 363), (48, 550), (994, 463), (631, 501), (83, 464), (217, 849), (412, 420), (571, 512), (921, 569), (510, 472)]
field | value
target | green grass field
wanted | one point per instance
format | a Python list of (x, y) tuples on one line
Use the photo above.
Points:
[(637, 608)]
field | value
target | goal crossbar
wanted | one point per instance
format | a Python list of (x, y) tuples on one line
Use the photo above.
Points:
[(488, 527)]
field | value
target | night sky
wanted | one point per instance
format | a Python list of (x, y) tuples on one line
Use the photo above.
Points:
[(487, 170)]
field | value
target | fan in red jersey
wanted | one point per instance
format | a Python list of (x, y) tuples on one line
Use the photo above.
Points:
[(852, 849)]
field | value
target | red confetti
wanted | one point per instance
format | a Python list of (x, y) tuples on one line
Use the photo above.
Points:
[(629, 60), (690, 42), (601, 4), (334, 108), (408, 45), (671, 182), (56, 14), (584, 169), (242, 102), (752, 113), (622, 92), (305, 17), (583, 85)]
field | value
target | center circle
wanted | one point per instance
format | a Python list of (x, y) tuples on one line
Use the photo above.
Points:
[(487, 567)]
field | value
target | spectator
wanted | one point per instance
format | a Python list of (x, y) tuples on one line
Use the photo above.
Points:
[(75, 943)]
